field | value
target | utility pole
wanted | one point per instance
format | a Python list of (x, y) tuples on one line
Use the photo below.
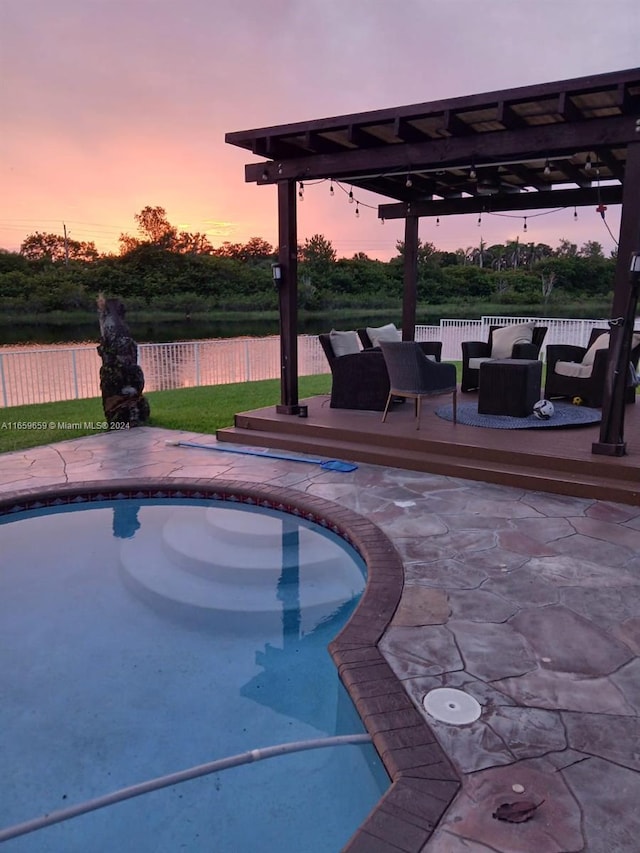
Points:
[(66, 245)]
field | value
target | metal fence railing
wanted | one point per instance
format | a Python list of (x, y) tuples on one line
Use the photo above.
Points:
[(46, 374)]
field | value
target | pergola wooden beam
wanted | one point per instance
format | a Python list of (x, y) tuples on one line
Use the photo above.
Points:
[(486, 148), (498, 204)]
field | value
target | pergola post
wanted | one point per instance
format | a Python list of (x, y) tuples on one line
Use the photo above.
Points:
[(623, 311), (410, 277), (288, 297)]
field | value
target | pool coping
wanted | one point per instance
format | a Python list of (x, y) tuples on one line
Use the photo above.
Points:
[(423, 780)]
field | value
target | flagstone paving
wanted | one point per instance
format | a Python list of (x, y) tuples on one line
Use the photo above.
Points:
[(528, 602)]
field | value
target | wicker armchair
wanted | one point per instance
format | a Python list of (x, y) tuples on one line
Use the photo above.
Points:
[(472, 350), (359, 380), (414, 376), (590, 388)]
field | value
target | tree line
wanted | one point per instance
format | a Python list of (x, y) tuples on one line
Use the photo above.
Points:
[(167, 269)]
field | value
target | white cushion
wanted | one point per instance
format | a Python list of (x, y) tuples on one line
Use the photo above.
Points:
[(344, 343), (504, 339), (383, 333), (601, 342), (573, 368), (474, 363)]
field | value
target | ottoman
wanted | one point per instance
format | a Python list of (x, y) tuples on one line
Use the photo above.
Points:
[(509, 386)]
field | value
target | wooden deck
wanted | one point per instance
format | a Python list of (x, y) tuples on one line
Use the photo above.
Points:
[(559, 461)]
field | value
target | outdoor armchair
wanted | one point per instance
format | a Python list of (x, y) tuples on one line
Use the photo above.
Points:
[(574, 371), (359, 379), (412, 375), (517, 341)]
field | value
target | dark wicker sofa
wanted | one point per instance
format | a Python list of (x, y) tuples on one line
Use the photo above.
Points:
[(359, 380)]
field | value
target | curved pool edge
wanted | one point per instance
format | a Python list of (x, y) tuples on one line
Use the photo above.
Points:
[(423, 781)]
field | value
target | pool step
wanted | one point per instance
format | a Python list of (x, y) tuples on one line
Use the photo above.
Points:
[(212, 543), (178, 565)]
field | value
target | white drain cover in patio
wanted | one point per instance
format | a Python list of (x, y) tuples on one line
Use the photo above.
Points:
[(451, 706)]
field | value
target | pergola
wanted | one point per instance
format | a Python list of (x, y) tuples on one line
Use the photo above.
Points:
[(571, 143)]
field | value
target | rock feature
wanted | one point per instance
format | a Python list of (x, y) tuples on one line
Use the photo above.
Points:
[(121, 377)]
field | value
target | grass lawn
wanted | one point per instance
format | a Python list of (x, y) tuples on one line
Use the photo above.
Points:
[(203, 410)]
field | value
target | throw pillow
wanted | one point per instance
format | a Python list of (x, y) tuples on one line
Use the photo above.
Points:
[(601, 342), (383, 333), (344, 343), (504, 339)]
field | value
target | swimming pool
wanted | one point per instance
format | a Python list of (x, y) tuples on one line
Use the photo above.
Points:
[(125, 667)]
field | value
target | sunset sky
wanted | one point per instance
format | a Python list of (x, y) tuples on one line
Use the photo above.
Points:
[(107, 106)]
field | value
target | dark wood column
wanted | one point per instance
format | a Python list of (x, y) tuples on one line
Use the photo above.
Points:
[(288, 297), (410, 280), (623, 311)]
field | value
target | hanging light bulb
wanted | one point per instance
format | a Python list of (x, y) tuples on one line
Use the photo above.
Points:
[(479, 222), (301, 191), (357, 209), (472, 173), (437, 221), (331, 191), (547, 168), (587, 165), (575, 213), (408, 183), (524, 227), (382, 220), (350, 196)]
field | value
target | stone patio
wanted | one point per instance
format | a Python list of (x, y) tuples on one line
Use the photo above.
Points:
[(527, 601)]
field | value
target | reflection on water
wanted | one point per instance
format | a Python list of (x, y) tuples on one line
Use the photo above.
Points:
[(184, 330)]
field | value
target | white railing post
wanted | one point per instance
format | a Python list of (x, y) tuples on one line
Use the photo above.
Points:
[(75, 373), (247, 362), (196, 361)]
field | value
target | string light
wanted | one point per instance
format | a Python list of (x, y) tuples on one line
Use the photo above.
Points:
[(352, 200), (301, 191), (547, 168), (472, 173), (408, 183), (587, 165)]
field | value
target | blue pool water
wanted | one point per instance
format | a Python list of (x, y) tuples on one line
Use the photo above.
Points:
[(142, 638)]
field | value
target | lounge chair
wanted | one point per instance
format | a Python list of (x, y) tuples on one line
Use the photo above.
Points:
[(574, 371)]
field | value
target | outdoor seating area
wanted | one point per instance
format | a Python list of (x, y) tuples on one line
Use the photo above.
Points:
[(372, 368)]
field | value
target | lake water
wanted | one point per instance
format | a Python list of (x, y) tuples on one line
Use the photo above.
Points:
[(185, 330)]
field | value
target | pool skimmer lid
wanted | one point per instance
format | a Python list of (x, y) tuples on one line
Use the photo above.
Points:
[(451, 706)]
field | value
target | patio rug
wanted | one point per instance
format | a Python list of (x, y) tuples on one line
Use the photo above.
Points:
[(565, 415)]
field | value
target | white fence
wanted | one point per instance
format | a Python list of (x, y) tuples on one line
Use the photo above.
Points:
[(42, 374)]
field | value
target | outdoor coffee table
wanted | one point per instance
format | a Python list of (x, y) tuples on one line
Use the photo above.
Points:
[(509, 386)]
